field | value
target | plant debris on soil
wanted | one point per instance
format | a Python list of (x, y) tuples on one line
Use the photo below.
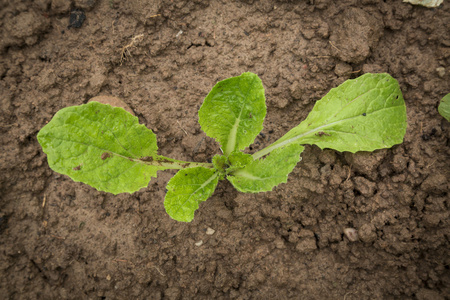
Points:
[(346, 226)]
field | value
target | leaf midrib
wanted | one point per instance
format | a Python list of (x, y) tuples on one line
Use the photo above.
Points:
[(248, 175), (202, 186), (231, 142), (317, 129)]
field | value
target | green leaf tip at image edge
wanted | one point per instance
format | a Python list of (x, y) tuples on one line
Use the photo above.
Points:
[(444, 107), (102, 146), (233, 112), (362, 114), (187, 189)]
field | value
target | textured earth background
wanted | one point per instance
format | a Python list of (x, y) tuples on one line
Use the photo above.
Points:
[(64, 240)]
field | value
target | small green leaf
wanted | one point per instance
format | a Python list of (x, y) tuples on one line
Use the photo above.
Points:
[(238, 160), (234, 111), (187, 189), (363, 114), (102, 146), (444, 107), (220, 162), (264, 174)]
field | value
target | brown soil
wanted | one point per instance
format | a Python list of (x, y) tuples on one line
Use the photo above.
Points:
[(65, 240)]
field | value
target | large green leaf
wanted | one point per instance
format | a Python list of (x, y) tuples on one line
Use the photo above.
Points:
[(444, 107), (234, 111), (102, 146), (263, 175), (187, 189), (363, 114)]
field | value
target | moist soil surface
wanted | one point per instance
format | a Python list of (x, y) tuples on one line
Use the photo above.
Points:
[(64, 240)]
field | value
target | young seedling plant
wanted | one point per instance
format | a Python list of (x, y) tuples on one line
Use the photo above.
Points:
[(106, 147)]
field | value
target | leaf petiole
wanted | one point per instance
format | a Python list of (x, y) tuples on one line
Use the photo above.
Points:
[(170, 163), (279, 144)]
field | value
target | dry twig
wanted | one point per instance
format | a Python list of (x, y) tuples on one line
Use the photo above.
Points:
[(125, 52), (182, 127), (349, 173), (159, 271), (334, 46)]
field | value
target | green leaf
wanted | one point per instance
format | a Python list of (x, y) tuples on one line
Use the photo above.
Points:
[(239, 159), (444, 107), (102, 146), (234, 111), (264, 174), (426, 3), (220, 162), (363, 114), (187, 189)]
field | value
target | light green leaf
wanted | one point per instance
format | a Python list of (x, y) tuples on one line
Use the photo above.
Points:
[(239, 159), (220, 163), (363, 114), (264, 174), (444, 107), (102, 146), (234, 111), (187, 189), (236, 160), (426, 3)]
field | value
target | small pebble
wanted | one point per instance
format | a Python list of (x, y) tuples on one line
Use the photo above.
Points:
[(199, 243), (440, 71), (108, 277), (210, 231), (351, 234)]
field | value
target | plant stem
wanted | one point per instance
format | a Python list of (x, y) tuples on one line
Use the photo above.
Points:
[(170, 163), (281, 143)]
